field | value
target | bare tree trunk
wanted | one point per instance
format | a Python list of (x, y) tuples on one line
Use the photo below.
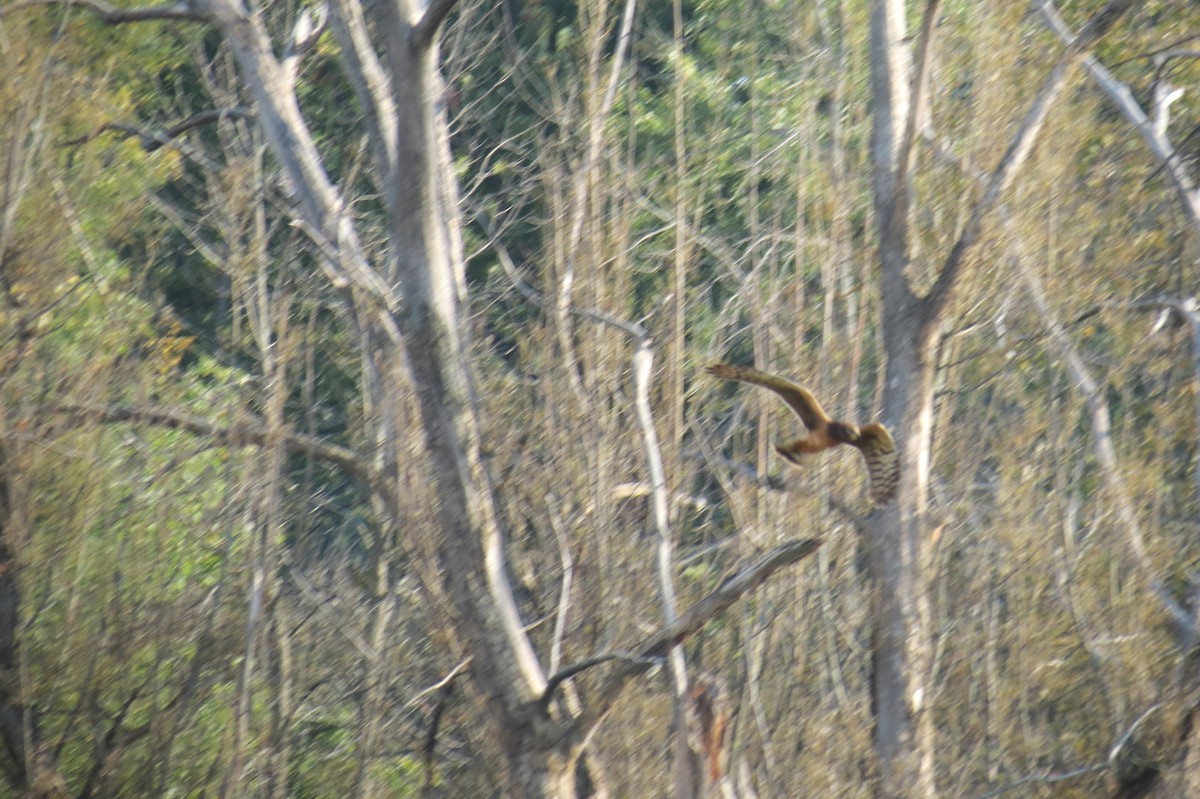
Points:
[(902, 653), (891, 533), (900, 644), (687, 779), (411, 319)]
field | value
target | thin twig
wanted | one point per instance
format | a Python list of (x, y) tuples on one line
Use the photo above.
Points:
[(249, 432), (1046, 779), (152, 140)]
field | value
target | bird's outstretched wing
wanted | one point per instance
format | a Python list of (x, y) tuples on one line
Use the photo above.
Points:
[(798, 398), (883, 462), (873, 440)]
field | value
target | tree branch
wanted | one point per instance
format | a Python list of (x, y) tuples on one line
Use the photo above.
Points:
[(919, 98), (252, 432), (113, 15), (1179, 621), (1186, 312), (1045, 779), (559, 677), (431, 21), (154, 140), (325, 214), (564, 593), (1017, 152), (1063, 776), (113, 744), (632, 329), (656, 647), (1157, 139), (370, 82), (435, 719)]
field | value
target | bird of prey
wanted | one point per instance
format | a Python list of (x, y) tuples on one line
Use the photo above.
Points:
[(872, 440)]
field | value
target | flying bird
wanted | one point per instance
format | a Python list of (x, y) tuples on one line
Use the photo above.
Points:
[(872, 440)]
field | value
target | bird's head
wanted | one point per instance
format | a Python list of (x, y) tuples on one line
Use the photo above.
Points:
[(843, 432)]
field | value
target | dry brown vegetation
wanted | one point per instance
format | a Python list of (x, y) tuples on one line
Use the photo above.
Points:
[(325, 447)]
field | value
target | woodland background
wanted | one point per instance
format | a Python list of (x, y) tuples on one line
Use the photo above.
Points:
[(224, 565)]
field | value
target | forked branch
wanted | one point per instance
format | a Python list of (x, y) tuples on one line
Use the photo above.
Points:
[(656, 647), (1018, 151)]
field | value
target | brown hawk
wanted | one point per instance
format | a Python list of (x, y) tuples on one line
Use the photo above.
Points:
[(873, 440)]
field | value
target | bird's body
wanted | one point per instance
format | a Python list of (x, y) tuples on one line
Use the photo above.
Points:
[(872, 440)]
